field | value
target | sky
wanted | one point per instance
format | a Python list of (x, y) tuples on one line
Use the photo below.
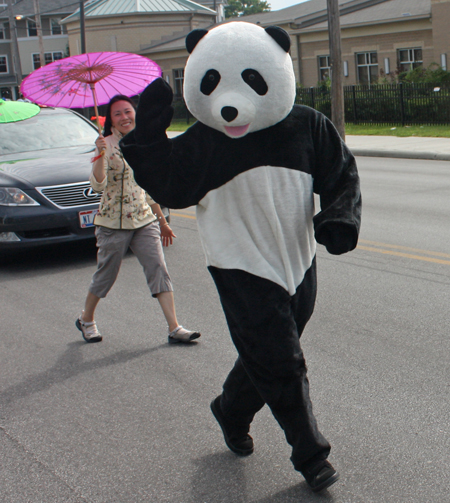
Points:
[(282, 4)]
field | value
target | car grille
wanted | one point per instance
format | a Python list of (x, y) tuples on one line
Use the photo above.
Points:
[(44, 233), (70, 196)]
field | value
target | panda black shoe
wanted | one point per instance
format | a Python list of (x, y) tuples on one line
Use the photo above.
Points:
[(319, 475), (237, 439)]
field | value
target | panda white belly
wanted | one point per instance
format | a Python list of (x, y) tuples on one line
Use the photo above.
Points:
[(261, 222)]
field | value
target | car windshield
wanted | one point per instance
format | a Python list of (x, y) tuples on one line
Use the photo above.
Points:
[(45, 131)]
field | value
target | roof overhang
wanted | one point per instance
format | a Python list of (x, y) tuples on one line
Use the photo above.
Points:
[(321, 16), (75, 17), (294, 29)]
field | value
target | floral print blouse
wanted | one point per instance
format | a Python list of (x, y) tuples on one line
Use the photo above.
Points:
[(124, 205)]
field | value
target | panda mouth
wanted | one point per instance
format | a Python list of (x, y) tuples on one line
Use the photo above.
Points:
[(236, 130)]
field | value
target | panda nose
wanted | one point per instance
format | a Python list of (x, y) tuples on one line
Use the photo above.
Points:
[(229, 113)]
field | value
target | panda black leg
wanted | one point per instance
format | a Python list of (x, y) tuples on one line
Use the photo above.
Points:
[(265, 323)]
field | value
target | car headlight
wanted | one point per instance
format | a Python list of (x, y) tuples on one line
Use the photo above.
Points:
[(15, 197)]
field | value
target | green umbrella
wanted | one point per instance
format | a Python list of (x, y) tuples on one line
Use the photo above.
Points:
[(14, 111)]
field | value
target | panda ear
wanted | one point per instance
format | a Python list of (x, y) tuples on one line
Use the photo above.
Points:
[(280, 36), (193, 39)]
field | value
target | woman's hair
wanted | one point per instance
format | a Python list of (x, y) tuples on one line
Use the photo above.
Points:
[(108, 123)]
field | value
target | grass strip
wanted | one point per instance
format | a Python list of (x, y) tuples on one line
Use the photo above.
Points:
[(361, 129)]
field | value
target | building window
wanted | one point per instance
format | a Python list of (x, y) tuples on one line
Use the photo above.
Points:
[(49, 58), (31, 27), (55, 27), (324, 67), (3, 64), (2, 31), (408, 59), (367, 65), (36, 61), (178, 76)]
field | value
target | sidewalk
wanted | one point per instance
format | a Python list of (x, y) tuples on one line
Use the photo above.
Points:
[(412, 147)]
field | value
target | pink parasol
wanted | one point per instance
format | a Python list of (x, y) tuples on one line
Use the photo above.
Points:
[(90, 79)]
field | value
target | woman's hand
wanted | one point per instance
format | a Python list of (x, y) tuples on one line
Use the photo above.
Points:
[(100, 143), (98, 166), (167, 235)]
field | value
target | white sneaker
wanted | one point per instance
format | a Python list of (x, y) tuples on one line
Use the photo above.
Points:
[(181, 335), (88, 330)]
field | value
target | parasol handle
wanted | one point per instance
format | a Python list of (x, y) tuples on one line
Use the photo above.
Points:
[(92, 86)]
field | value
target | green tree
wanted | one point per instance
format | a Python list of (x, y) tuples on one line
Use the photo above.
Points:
[(237, 8)]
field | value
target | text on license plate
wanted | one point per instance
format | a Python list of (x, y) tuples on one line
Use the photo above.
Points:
[(87, 218)]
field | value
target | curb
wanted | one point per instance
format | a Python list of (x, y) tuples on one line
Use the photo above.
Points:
[(400, 154)]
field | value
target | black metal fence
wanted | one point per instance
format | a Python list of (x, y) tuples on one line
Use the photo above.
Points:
[(388, 104)]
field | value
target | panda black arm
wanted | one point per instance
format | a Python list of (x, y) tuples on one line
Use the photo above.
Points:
[(336, 181), (169, 170)]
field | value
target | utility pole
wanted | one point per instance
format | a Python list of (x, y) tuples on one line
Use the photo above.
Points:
[(37, 17), (82, 28), (337, 89), (14, 44)]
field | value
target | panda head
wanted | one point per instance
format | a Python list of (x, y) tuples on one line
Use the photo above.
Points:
[(239, 77)]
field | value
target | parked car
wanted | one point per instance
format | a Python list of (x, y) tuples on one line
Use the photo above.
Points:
[(45, 195)]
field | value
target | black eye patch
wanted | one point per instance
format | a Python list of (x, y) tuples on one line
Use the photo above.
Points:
[(255, 80), (209, 82)]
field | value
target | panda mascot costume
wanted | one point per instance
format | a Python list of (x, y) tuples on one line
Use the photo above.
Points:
[(251, 165)]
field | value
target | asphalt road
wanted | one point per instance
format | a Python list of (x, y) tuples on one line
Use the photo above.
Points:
[(128, 420)]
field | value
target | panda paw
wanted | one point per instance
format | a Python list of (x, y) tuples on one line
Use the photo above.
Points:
[(338, 238), (154, 112)]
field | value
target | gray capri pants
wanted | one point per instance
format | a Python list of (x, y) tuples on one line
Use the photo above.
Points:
[(145, 243)]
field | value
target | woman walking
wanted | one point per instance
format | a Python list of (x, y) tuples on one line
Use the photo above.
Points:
[(127, 218)]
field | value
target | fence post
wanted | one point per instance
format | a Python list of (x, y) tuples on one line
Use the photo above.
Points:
[(313, 104), (355, 113), (402, 104)]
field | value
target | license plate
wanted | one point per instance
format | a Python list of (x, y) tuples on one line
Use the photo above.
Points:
[(87, 218)]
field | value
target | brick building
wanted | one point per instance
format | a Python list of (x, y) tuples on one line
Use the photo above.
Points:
[(379, 38), (128, 25)]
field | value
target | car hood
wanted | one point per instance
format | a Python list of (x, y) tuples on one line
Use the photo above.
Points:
[(41, 168)]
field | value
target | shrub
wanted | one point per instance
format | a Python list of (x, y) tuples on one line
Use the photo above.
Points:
[(180, 110), (433, 75)]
